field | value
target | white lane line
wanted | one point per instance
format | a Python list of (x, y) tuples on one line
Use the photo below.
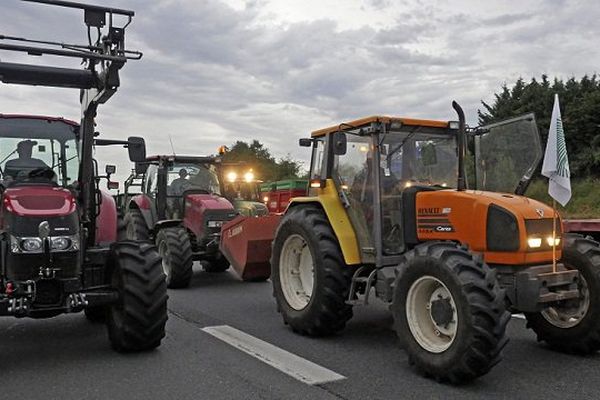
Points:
[(518, 316), (291, 364)]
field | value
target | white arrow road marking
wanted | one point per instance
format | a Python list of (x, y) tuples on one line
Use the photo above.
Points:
[(291, 364)]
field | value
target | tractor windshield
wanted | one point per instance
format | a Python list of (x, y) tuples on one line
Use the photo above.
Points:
[(507, 154), (406, 158), (38, 150), (192, 176)]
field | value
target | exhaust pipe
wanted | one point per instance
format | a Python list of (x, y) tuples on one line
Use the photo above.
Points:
[(461, 143)]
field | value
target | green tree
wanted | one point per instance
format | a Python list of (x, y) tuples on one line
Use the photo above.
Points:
[(259, 158), (580, 108)]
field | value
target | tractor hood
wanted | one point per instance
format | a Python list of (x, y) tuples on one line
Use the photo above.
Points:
[(202, 202), (39, 201), (250, 208), (495, 224), (518, 205)]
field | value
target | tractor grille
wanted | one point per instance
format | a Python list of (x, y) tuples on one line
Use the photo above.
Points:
[(502, 230), (48, 292)]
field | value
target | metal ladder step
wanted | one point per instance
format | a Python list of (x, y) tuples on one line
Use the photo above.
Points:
[(356, 296)]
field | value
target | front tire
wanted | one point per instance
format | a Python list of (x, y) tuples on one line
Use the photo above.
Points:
[(137, 321), (310, 279), (574, 327), (175, 250), (135, 225), (217, 265), (449, 312)]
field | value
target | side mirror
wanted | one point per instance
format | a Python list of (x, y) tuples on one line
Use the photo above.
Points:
[(110, 169), (137, 148), (304, 142), (339, 143)]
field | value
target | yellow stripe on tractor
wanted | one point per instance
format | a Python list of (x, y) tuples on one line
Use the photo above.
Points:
[(330, 201)]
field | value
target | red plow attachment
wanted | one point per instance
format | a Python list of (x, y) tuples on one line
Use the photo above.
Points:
[(246, 243)]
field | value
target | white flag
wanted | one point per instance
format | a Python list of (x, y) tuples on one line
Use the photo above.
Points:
[(556, 162)]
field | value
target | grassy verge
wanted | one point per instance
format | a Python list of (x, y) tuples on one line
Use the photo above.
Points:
[(584, 203)]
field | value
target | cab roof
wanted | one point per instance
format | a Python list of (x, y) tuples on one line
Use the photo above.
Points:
[(363, 122), (183, 158)]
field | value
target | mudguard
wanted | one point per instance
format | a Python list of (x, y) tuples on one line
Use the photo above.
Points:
[(144, 204), (106, 221)]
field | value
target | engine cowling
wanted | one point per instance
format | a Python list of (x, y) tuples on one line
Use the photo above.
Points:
[(41, 227), (205, 214)]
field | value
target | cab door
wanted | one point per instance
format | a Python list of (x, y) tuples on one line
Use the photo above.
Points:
[(507, 154)]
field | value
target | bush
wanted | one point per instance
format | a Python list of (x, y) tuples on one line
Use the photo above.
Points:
[(584, 202)]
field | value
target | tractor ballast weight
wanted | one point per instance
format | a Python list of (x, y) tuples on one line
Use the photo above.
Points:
[(389, 213), (246, 243), (59, 230)]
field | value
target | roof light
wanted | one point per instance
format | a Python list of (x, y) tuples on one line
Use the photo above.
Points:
[(453, 125), (249, 176)]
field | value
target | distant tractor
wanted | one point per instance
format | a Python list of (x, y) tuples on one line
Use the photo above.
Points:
[(389, 214), (277, 195), (58, 230), (243, 191), (182, 209)]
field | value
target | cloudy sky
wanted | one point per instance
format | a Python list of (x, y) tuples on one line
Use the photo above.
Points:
[(216, 71)]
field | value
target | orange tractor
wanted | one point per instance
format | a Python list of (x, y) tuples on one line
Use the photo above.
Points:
[(390, 214)]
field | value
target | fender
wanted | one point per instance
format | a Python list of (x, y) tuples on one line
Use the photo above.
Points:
[(106, 221), (329, 200), (143, 203)]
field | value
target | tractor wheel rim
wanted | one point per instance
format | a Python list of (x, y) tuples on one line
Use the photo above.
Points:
[(296, 272), (571, 314), (435, 337), (165, 255)]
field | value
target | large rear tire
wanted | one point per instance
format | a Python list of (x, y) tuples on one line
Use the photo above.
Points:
[(574, 327), (449, 312), (137, 321), (135, 225), (175, 250), (310, 279)]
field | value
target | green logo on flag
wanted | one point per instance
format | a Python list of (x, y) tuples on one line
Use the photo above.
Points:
[(562, 167)]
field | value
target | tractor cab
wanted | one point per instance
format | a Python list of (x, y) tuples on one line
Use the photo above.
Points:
[(384, 170), (38, 150)]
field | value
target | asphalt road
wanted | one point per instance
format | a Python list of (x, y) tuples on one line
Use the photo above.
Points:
[(69, 358)]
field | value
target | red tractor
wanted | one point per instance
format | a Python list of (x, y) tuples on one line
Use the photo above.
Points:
[(182, 209), (60, 251)]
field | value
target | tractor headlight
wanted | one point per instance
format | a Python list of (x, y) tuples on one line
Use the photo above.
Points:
[(534, 242), (60, 243), (215, 224), (231, 176), (35, 245), (249, 176), (31, 245), (552, 241)]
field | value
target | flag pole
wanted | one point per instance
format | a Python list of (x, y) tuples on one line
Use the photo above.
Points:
[(553, 235)]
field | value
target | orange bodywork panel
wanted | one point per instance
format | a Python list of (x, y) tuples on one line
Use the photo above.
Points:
[(383, 119), (462, 216)]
